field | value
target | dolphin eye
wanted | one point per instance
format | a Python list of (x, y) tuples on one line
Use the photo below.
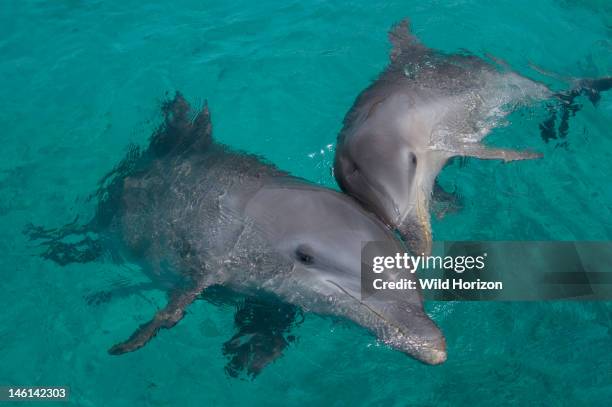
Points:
[(303, 255), (413, 158)]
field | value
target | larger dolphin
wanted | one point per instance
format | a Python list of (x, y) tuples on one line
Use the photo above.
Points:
[(426, 107), (198, 215)]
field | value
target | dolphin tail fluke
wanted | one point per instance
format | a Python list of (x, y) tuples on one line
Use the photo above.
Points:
[(164, 319), (488, 153)]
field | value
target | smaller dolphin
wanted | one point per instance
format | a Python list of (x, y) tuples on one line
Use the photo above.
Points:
[(424, 109), (198, 215)]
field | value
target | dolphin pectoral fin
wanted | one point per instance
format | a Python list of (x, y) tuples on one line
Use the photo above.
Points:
[(488, 153), (165, 318), (263, 333)]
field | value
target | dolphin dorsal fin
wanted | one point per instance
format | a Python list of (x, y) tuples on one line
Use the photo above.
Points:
[(405, 44), (182, 130)]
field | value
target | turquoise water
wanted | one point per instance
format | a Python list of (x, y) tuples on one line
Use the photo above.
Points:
[(80, 80)]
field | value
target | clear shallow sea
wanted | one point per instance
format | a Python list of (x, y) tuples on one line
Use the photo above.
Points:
[(79, 80)]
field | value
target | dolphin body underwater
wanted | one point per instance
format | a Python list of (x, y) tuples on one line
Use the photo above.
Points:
[(199, 216), (424, 109)]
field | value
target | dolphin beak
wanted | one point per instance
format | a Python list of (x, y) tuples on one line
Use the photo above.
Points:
[(429, 349), (408, 329), (436, 354), (415, 229)]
